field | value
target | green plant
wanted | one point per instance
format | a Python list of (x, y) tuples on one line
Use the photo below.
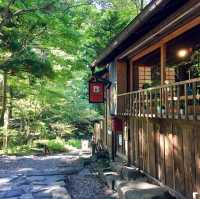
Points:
[(17, 150), (74, 142), (56, 145)]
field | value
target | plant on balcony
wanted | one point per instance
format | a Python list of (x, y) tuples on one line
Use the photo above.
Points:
[(146, 85), (182, 108)]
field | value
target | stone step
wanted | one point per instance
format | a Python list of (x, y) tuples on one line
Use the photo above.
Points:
[(130, 173), (119, 183), (116, 166), (110, 178), (127, 173), (142, 190)]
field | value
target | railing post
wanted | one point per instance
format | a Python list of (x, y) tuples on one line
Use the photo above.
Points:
[(143, 103), (186, 101), (139, 104), (194, 92), (161, 102), (124, 104), (125, 108), (172, 101), (156, 102), (119, 108), (137, 101), (178, 101), (133, 107), (147, 103), (151, 111), (130, 101)]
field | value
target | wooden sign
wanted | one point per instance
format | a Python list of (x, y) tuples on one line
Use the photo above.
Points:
[(96, 92)]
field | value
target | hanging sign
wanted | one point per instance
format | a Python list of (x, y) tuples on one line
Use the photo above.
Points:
[(96, 92)]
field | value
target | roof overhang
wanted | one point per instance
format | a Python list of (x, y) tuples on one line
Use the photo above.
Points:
[(152, 15)]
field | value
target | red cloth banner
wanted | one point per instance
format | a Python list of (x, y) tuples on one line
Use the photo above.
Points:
[(96, 92), (117, 125)]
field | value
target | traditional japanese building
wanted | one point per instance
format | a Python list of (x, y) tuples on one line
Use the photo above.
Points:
[(152, 117)]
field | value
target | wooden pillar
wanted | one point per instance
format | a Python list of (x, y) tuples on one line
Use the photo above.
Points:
[(163, 61), (131, 75)]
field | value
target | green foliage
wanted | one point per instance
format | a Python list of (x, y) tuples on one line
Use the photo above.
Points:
[(74, 142), (17, 150), (45, 49), (56, 145)]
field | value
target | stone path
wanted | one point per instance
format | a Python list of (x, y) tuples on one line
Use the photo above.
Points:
[(85, 185), (49, 177)]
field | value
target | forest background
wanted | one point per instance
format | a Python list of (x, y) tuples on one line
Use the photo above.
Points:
[(46, 48)]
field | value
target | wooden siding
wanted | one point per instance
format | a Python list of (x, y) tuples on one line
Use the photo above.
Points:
[(169, 151), (121, 77)]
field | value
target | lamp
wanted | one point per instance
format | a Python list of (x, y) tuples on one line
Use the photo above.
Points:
[(182, 53)]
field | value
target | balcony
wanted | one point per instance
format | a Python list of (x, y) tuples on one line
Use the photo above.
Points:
[(179, 100)]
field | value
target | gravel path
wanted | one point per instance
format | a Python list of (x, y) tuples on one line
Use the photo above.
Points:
[(50, 177), (85, 185)]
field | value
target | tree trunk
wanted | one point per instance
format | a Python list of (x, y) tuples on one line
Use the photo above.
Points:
[(4, 98), (5, 128), (5, 113), (10, 102), (141, 5)]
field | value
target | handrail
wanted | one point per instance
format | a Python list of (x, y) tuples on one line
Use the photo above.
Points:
[(163, 86)]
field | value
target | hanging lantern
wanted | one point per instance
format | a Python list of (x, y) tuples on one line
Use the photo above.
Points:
[(96, 92)]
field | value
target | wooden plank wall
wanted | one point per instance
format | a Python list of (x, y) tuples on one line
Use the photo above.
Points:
[(121, 77), (168, 150)]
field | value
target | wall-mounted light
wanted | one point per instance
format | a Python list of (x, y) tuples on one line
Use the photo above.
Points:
[(182, 53)]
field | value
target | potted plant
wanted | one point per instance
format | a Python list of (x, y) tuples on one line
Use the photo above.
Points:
[(182, 109)]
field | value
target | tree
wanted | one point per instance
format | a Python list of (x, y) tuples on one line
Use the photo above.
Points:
[(140, 4), (45, 50)]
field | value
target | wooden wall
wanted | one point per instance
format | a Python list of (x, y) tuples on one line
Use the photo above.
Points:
[(169, 151), (121, 77)]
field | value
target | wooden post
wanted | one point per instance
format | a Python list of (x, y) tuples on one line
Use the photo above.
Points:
[(186, 101), (163, 60), (194, 91), (178, 101)]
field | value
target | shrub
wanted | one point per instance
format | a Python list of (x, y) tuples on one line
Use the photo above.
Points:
[(17, 150), (74, 142), (56, 145)]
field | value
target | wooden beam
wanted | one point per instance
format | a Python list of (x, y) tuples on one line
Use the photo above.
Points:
[(163, 61), (141, 52)]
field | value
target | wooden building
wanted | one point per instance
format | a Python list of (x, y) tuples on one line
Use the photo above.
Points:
[(154, 66)]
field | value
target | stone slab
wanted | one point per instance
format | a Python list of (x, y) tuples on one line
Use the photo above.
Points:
[(140, 190), (130, 173)]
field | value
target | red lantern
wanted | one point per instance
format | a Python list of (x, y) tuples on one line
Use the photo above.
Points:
[(96, 92), (117, 125)]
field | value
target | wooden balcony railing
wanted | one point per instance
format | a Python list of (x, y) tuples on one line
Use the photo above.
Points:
[(176, 101)]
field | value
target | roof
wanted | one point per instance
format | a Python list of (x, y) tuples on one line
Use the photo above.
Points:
[(153, 14)]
